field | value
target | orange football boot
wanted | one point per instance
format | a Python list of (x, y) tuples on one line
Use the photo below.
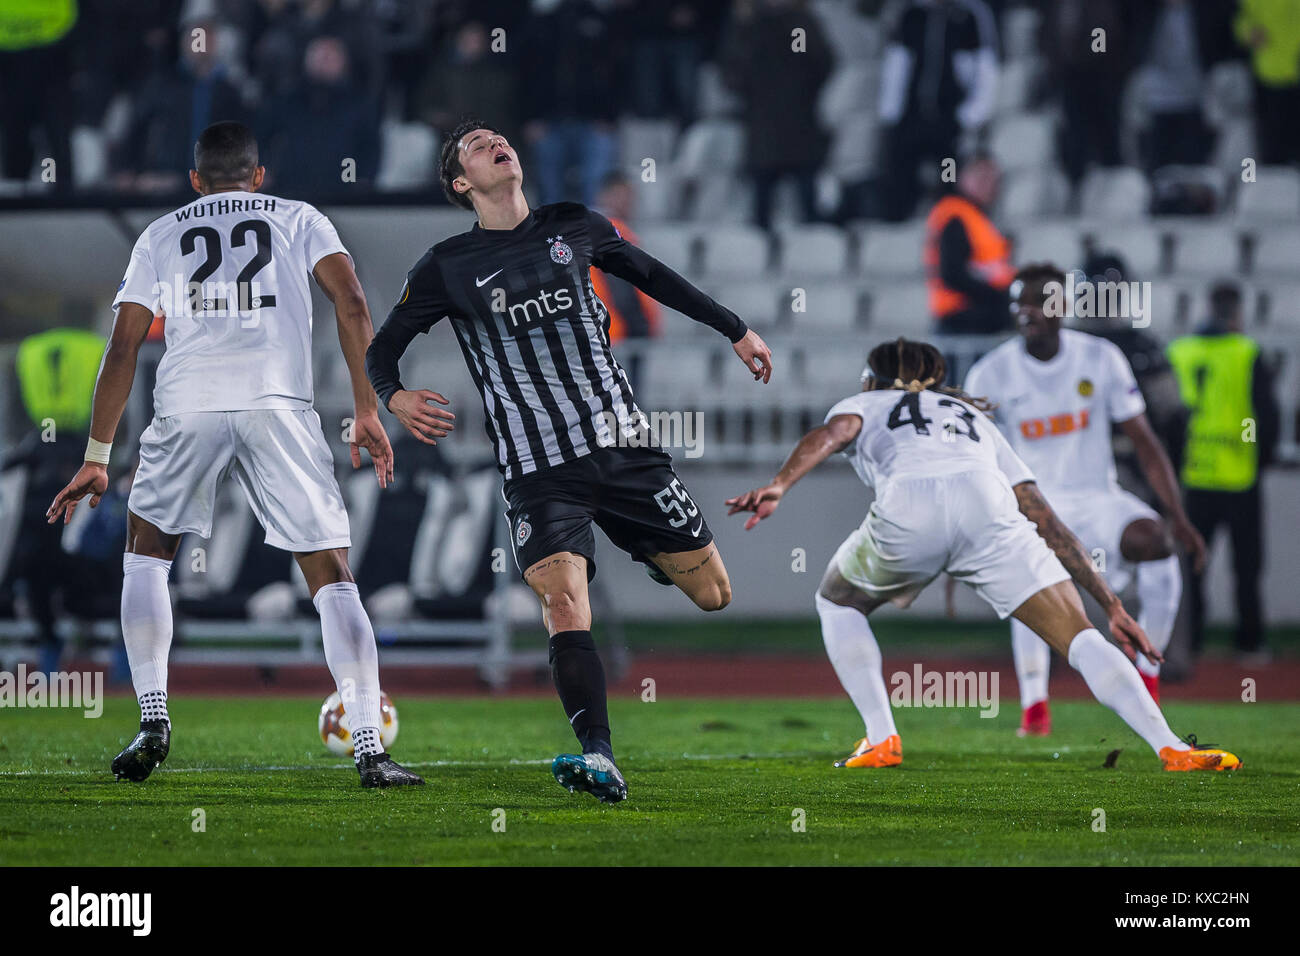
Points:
[(887, 753), (1199, 757)]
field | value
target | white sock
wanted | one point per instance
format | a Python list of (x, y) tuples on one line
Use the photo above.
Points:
[(855, 655), (353, 661), (1115, 683), (1033, 663), (147, 630), (1160, 589)]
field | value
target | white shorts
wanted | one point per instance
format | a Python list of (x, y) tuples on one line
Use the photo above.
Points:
[(967, 524), (1098, 520), (279, 457)]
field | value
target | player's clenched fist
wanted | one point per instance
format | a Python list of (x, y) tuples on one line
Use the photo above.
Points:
[(426, 422)]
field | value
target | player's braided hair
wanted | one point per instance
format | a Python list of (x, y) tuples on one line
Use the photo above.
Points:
[(449, 166), (913, 367)]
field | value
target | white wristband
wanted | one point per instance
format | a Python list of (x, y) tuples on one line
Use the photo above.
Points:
[(98, 451)]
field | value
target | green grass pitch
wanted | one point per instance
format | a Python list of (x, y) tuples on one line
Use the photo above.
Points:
[(712, 782)]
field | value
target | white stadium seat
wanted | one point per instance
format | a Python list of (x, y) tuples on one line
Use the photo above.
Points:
[(1275, 194), (899, 309), (892, 250), (710, 148), (1023, 141), (673, 245), (1138, 244), (410, 155), (1277, 252), (1116, 193), (1206, 249), (735, 250), (1055, 242), (829, 307), (814, 250), (1033, 193), (760, 303)]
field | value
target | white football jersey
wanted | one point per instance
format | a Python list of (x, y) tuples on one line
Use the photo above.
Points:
[(923, 434), (231, 273), (1057, 414)]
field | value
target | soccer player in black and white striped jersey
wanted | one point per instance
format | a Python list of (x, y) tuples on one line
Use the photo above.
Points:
[(570, 441)]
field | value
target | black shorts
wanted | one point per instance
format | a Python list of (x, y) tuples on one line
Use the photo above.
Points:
[(633, 494)]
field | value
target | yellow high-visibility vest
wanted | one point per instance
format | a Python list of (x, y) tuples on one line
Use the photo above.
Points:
[(56, 376), (1215, 376), (26, 24)]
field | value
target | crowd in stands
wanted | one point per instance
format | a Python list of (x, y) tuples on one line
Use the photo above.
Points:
[(350, 96)]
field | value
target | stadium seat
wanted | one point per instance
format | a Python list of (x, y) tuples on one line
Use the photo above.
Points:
[(761, 303), (672, 244), (1139, 244), (853, 146), (1114, 193), (1276, 252), (714, 199), (898, 309), (710, 148), (734, 250), (829, 307), (642, 138), (848, 88), (1023, 141), (674, 374), (1275, 194), (892, 250), (1056, 242), (409, 154), (1277, 308), (1206, 249), (1033, 193), (813, 250)]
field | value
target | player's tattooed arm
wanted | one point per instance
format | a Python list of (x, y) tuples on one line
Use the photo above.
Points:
[(1063, 543), (813, 449)]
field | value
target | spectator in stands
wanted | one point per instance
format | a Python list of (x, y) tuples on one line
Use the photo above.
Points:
[(570, 98), (176, 101), (468, 79), (939, 79), (967, 260), (779, 79), (35, 59), (632, 313), (1270, 29), (1090, 84), (668, 40), (1172, 84), (1231, 438), (323, 137)]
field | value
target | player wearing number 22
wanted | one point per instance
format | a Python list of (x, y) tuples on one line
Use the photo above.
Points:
[(233, 399), (570, 442), (952, 495)]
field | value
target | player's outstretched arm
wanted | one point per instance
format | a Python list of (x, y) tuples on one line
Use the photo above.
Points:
[(112, 389), (1159, 472), (615, 255), (336, 276), (1077, 562), (813, 449)]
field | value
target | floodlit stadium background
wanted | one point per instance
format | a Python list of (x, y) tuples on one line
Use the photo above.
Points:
[(111, 110)]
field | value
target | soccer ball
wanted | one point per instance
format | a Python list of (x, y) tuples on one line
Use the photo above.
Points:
[(333, 724)]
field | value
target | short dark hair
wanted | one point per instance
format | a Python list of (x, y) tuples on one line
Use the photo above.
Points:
[(225, 153), (449, 166), (1225, 300), (1043, 272)]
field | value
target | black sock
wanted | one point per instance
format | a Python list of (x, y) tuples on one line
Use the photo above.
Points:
[(580, 681)]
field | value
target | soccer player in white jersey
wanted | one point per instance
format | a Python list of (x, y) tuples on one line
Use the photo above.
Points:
[(1055, 394), (951, 495), (233, 399)]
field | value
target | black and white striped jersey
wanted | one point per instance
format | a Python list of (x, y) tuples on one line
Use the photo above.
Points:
[(534, 334)]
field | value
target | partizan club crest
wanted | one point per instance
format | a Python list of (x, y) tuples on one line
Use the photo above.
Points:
[(560, 251)]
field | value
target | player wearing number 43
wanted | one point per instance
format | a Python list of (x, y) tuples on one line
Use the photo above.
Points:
[(951, 495), (559, 410), (233, 398)]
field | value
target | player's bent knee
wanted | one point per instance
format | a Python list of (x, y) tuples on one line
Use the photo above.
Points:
[(714, 597), (1146, 540)]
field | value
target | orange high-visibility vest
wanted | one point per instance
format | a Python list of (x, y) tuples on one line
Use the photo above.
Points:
[(600, 285), (990, 252)]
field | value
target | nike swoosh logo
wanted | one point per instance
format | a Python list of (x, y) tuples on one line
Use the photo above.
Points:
[(695, 532), (482, 282), (584, 710)]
